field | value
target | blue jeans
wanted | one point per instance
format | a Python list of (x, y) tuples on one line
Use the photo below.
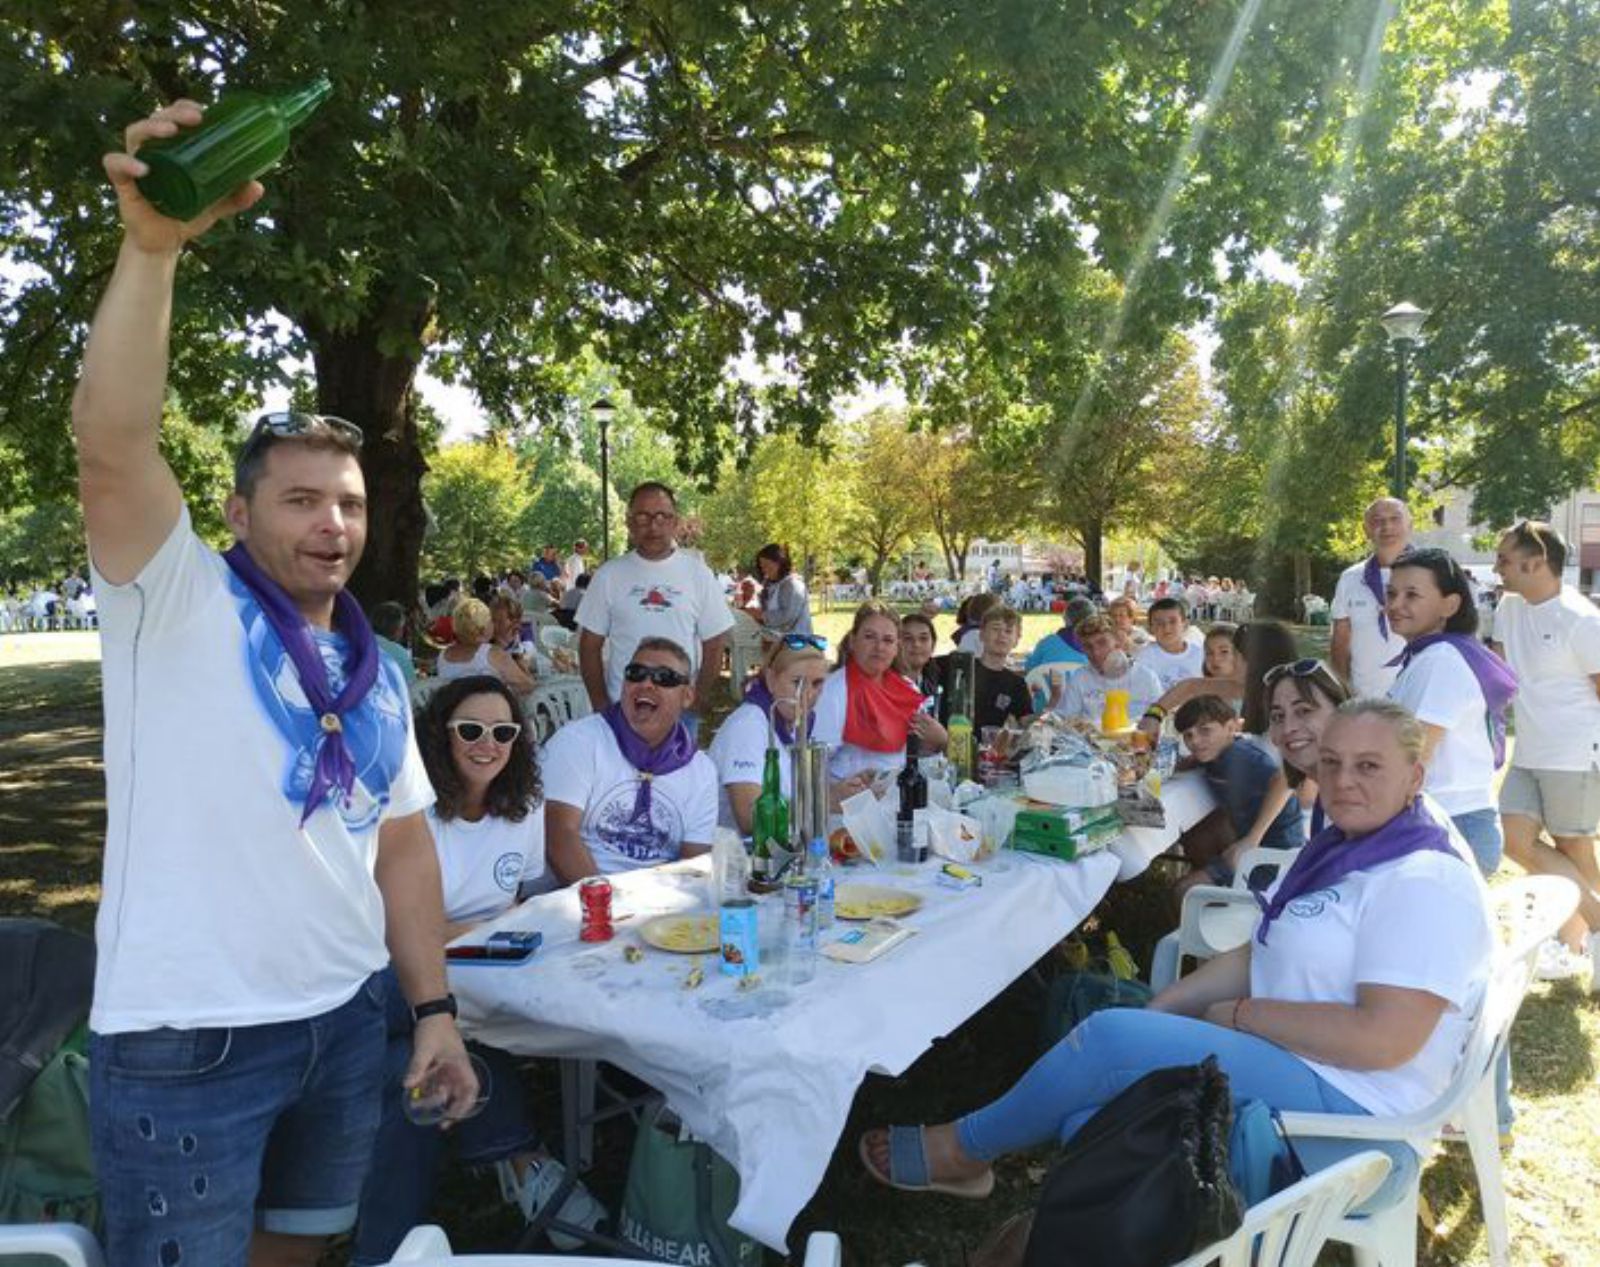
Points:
[(1115, 1048), (399, 1187), (202, 1135), (1481, 830)]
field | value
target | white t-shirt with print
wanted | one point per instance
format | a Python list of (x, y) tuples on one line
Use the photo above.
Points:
[(584, 768), (1554, 646), (1419, 923), (1439, 687), (846, 759), (1370, 651), (631, 598), (1085, 692), (218, 908), (1171, 669), (740, 754), (483, 864)]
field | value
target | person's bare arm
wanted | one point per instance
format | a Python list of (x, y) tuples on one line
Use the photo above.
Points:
[(131, 499), (592, 665), (1227, 976), (564, 850), (1432, 737), (511, 673), (1385, 1027), (742, 801), (689, 850), (711, 650), (1339, 648)]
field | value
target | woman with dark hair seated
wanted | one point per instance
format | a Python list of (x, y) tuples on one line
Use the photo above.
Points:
[(1351, 997), (488, 831)]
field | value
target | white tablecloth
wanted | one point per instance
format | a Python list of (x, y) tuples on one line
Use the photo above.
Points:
[(767, 1078), (1187, 800)]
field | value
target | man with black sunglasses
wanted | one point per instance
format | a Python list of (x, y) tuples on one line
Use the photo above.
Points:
[(266, 852), (626, 788)]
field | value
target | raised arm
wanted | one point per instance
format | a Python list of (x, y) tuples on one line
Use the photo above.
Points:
[(130, 497)]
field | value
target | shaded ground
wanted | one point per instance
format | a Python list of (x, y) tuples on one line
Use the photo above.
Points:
[(51, 824)]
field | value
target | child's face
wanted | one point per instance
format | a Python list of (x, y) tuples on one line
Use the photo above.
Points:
[(1221, 659), (1208, 740), (998, 638), (1167, 627)]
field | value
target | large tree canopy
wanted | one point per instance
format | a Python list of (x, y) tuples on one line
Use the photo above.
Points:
[(673, 183)]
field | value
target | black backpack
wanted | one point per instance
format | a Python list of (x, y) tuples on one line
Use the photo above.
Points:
[(1145, 1182), (46, 981)]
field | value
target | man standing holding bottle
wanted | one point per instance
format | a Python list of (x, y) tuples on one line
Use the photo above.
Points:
[(266, 852)]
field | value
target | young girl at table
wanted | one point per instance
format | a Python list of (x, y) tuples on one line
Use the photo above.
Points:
[(1351, 997), (489, 834), (793, 670)]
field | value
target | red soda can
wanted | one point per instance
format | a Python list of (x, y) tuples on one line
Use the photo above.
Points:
[(594, 897)]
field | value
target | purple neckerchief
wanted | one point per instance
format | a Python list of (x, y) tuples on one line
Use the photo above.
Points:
[(1319, 817), (1071, 639), (757, 693), (1495, 677), (672, 753), (332, 766), (1372, 578), (1330, 856)]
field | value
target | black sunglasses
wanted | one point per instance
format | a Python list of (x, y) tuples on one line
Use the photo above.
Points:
[(657, 673), (797, 642), (471, 731)]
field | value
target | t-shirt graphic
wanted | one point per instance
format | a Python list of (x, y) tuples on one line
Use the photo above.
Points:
[(374, 732), (656, 597), (642, 841)]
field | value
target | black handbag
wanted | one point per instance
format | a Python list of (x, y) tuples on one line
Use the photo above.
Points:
[(1145, 1182)]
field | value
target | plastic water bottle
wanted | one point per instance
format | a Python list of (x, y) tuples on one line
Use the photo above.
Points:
[(800, 926), (820, 865)]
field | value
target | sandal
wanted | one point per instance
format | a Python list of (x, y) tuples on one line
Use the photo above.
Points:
[(908, 1167)]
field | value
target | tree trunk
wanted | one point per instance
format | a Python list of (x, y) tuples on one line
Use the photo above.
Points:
[(1302, 582), (1090, 533), (358, 380), (958, 566)]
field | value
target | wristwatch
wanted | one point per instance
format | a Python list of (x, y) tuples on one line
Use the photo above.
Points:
[(445, 1004)]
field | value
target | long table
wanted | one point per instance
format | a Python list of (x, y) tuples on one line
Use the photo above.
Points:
[(1186, 800), (767, 1076)]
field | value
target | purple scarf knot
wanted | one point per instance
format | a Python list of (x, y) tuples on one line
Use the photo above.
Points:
[(1071, 639), (1331, 855), (672, 753), (1496, 680), (759, 694), (332, 768), (1372, 578)]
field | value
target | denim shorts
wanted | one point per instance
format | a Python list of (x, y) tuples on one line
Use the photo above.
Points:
[(203, 1135)]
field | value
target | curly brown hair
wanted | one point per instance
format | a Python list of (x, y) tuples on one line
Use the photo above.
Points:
[(516, 790)]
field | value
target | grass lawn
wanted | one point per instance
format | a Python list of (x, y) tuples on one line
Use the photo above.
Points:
[(52, 813)]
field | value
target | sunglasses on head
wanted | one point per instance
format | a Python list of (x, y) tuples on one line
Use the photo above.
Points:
[(798, 642), (657, 673), (289, 423), (1299, 669), (502, 733)]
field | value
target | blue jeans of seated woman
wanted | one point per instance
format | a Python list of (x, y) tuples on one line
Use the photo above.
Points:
[(406, 1159), (1481, 830), (1114, 1049)]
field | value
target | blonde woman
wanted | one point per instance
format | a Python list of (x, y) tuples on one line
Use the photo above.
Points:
[(473, 653)]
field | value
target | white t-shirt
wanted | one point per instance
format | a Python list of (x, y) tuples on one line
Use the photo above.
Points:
[(1420, 923), (740, 754), (219, 909), (1370, 651), (575, 566), (1171, 669), (1441, 690), (478, 666), (1554, 646), (846, 759), (482, 864), (630, 599), (584, 768), (1085, 692)]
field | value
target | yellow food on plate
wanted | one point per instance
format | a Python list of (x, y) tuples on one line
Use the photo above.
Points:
[(867, 901), (681, 934)]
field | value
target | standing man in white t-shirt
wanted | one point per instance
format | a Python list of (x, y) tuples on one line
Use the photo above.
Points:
[(1363, 643), (655, 590), (577, 562), (1550, 634), (266, 853)]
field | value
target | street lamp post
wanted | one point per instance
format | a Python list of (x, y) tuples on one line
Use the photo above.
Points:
[(603, 409), (1403, 325)]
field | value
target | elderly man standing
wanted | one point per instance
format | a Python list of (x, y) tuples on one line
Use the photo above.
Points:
[(1550, 634), (626, 787), (1363, 643), (266, 853), (655, 590)]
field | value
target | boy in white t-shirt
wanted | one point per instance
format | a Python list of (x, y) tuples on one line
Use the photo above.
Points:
[(625, 788), (1171, 656)]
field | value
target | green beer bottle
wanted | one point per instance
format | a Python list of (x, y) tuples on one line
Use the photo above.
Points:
[(769, 825), (240, 137), (959, 727)]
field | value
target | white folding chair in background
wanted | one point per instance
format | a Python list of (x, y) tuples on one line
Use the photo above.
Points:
[(65, 1243), (745, 649), (428, 1246), (1214, 919), (1290, 1229)]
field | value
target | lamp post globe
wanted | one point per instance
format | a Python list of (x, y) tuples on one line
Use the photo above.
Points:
[(602, 409), (1403, 324)]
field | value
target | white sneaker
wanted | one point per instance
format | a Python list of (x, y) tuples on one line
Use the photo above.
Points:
[(1557, 963), (536, 1188)]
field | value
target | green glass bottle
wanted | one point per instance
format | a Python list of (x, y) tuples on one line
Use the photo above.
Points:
[(769, 825), (240, 137), (959, 727)]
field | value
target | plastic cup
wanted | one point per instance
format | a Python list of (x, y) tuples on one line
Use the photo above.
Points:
[(426, 1103)]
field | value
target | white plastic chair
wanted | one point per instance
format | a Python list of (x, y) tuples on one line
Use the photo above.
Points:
[(553, 636), (1290, 1229), (422, 688), (1527, 911), (745, 649), (67, 1243), (1214, 919), (428, 1246)]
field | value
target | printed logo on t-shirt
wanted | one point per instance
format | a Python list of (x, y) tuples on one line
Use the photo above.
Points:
[(1310, 905), (610, 821), (656, 597), (374, 732), (508, 871)]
